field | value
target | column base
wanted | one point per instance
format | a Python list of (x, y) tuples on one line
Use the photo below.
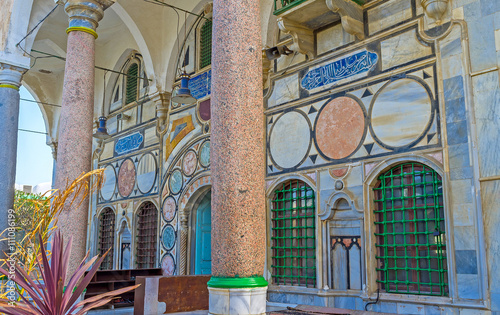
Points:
[(237, 301)]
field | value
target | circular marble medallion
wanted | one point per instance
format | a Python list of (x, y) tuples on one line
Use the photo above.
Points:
[(146, 173), (108, 183), (168, 265), (126, 178), (175, 182), (169, 209), (340, 127), (290, 139), (204, 154), (189, 163), (401, 113), (168, 237)]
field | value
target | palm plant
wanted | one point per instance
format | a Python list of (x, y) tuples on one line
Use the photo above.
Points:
[(47, 296), (38, 217)]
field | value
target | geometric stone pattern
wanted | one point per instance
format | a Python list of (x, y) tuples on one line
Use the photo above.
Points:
[(132, 177), (178, 183), (369, 121)]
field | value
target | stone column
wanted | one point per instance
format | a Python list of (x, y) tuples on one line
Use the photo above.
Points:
[(10, 80), (237, 161), (74, 151)]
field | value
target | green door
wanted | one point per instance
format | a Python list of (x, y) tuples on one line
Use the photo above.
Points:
[(203, 255)]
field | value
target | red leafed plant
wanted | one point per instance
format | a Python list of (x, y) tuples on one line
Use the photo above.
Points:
[(48, 297)]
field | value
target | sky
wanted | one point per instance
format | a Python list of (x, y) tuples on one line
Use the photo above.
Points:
[(34, 156)]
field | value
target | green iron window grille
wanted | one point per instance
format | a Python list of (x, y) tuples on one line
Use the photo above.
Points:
[(131, 85), (410, 231), (107, 237), (293, 241), (206, 44)]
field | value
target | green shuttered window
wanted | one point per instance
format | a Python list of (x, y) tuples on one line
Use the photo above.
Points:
[(206, 44), (131, 85), (293, 235), (410, 231)]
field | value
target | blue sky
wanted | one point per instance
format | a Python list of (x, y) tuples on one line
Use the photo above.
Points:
[(34, 157)]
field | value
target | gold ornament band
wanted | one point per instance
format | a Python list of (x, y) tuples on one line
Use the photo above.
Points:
[(10, 86), (81, 29)]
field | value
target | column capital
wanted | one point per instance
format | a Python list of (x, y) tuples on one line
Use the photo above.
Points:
[(11, 76), (86, 14)]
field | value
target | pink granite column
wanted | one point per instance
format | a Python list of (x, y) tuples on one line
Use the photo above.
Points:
[(237, 161), (75, 130)]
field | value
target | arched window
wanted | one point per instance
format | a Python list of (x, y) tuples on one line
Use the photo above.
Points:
[(147, 222), (107, 237), (206, 44), (131, 87), (410, 231), (293, 241)]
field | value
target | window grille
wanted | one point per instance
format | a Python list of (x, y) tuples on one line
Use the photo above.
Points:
[(107, 237), (131, 85), (410, 231), (206, 44), (147, 221), (293, 235)]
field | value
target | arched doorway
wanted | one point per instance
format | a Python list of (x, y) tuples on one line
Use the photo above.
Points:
[(202, 236)]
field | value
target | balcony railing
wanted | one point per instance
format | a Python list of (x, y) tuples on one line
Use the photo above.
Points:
[(281, 6)]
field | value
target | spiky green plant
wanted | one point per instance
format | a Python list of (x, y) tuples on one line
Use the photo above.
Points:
[(47, 296)]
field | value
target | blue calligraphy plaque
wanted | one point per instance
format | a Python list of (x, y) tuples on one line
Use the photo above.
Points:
[(340, 69), (129, 143), (200, 84)]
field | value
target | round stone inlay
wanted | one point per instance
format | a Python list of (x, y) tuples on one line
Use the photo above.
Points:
[(401, 113), (108, 183), (290, 139), (126, 178), (205, 154), (169, 209), (146, 173), (168, 265), (176, 182), (168, 237), (340, 127), (189, 163)]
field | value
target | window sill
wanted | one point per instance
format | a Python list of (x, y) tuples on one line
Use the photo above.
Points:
[(423, 299)]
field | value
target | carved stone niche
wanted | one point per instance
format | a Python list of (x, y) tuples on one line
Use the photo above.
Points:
[(343, 238), (302, 20)]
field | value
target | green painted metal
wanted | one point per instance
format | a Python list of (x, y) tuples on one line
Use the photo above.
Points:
[(131, 85), (281, 6), (293, 239), (206, 44), (410, 231), (203, 259), (234, 282)]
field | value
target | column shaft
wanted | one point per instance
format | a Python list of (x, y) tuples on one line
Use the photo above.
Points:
[(237, 158), (9, 111), (10, 80), (74, 150)]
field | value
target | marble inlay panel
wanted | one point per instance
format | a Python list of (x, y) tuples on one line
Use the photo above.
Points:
[(285, 90), (109, 183), (401, 113), (387, 14), (146, 173), (168, 265), (402, 49), (340, 127), (291, 129)]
